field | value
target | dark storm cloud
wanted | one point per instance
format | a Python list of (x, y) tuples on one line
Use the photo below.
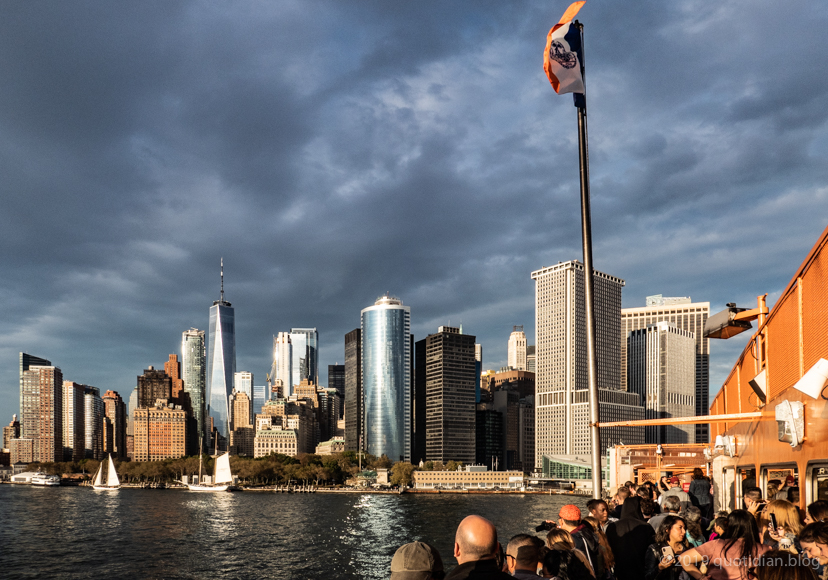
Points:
[(332, 151)]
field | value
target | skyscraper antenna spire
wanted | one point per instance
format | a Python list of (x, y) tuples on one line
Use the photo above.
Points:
[(222, 279)]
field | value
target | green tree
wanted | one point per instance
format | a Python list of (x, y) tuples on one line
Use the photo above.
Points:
[(401, 474)]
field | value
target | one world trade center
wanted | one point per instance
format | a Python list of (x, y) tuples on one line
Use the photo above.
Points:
[(221, 360)]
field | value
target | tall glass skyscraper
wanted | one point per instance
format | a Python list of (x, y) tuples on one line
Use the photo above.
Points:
[(305, 345), (282, 368), (386, 378), (194, 373), (221, 361)]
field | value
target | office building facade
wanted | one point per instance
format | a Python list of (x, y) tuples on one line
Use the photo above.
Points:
[(242, 431), (685, 315), (305, 359), (160, 432), (354, 421), (282, 368), (194, 374), (449, 374), (336, 380), (561, 380), (221, 362), (154, 384), (93, 409), (115, 413), (74, 424), (661, 365), (386, 378), (516, 354)]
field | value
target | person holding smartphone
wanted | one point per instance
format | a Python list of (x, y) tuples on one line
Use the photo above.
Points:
[(661, 561)]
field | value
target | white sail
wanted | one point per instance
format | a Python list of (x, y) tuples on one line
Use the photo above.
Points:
[(98, 475), (112, 475), (222, 470)]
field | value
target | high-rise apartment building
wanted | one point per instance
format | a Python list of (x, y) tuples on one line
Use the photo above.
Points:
[(562, 401), (685, 315), (354, 420), (194, 374), (243, 381), (74, 423), (93, 411), (173, 369), (336, 380), (160, 432), (11, 431), (449, 395), (282, 368), (661, 369), (516, 355), (41, 407), (131, 406), (154, 384), (260, 395), (305, 351), (242, 432), (115, 412), (221, 361), (386, 378)]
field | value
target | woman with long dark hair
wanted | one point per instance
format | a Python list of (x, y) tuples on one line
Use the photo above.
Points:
[(661, 559), (816, 512), (730, 557)]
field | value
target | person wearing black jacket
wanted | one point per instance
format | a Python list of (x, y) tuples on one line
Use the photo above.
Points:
[(629, 539), (661, 561), (475, 549)]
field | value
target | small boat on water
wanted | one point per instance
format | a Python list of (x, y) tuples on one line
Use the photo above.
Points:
[(222, 477), (111, 482), (45, 480)]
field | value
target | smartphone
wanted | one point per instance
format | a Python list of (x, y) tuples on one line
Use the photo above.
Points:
[(773, 525), (667, 552)]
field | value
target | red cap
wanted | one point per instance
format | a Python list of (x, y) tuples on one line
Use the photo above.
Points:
[(570, 513), (674, 479), (789, 479)]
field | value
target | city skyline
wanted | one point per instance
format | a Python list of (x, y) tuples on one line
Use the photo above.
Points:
[(151, 163)]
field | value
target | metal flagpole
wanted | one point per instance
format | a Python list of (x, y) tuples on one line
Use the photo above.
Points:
[(589, 286)]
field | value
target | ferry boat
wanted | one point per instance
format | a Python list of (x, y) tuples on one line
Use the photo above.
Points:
[(777, 393), (44, 479)]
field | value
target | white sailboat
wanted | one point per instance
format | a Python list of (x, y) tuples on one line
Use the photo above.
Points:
[(112, 481), (222, 477)]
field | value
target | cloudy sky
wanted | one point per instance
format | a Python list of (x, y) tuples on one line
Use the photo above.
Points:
[(333, 151)]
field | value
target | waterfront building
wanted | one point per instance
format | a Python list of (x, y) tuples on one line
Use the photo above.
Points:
[(160, 432), (296, 414), (386, 378), (449, 395), (336, 380), (472, 477), (11, 431), (562, 401), (275, 440), (688, 316), (41, 407), (93, 411), (74, 422), (242, 432), (354, 420), (154, 384), (661, 370), (335, 445), (21, 450), (531, 358), (115, 414), (194, 373), (489, 432), (221, 361), (516, 354), (305, 355), (282, 369)]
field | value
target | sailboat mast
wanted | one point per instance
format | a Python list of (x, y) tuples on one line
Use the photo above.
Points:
[(200, 458)]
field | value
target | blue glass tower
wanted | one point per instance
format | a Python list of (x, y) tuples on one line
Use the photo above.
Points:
[(386, 378), (305, 348), (221, 360)]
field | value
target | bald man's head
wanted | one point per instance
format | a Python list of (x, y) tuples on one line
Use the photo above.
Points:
[(476, 539)]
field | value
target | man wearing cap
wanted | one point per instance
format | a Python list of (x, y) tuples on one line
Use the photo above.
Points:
[(675, 489), (569, 519), (417, 561), (783, 493), (475, 549)]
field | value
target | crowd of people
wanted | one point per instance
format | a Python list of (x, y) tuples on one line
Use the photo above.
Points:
[(646, 532)]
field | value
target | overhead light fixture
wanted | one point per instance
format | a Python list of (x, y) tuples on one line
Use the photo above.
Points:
[(790, 418), (814, 380), (726, 323)]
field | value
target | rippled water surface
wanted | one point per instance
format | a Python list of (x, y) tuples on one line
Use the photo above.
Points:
[(71, 532)]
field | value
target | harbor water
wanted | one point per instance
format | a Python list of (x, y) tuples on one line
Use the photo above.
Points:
[(75, 532)]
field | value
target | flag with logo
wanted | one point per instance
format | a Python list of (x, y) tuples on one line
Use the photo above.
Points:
[(562, 61)]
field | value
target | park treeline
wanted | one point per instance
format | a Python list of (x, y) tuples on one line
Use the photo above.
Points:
[(274, 469)]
